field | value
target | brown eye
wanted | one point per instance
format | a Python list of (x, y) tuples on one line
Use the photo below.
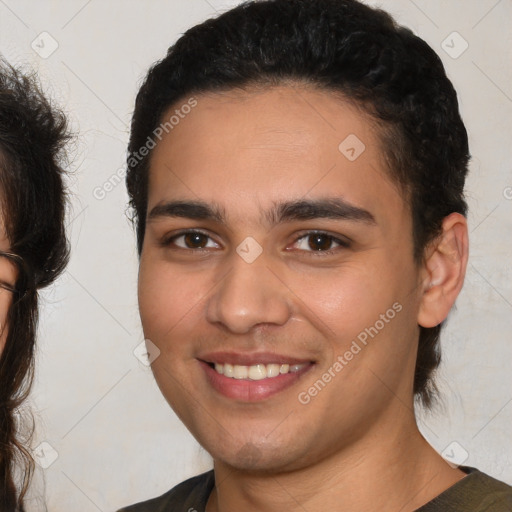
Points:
[(319, 242), (189, 240), (195, 240)]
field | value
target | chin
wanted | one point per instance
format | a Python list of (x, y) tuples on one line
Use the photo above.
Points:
[(251, 458)]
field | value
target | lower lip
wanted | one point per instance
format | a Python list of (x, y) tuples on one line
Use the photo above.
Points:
[(251, 390)]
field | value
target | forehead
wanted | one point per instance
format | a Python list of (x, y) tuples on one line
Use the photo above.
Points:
[(248, 149)]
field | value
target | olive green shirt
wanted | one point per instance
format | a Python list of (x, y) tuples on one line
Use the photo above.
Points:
[(477, 492)]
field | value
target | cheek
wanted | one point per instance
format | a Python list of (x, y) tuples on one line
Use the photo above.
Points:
[(345, 299), (367, 302), (168, 299)]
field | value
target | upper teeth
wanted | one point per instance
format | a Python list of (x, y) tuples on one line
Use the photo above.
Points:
[(256, 371)]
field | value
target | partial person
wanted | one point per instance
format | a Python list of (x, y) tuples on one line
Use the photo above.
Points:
[(33, 253)]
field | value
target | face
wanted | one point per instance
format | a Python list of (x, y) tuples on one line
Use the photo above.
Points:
[(277, 278)]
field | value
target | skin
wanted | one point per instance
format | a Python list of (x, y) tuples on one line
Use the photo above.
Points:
[(357, 439), (8, 276)]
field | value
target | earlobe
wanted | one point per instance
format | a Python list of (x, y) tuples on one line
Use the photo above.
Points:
[(444, 271)]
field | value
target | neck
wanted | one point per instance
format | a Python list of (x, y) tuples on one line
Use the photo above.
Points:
[(393, 462)]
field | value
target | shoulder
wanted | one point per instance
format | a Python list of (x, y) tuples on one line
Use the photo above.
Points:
[(477, 492), (190, 495)]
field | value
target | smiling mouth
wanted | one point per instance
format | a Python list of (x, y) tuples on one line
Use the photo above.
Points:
[(252, 377), (256, 371)]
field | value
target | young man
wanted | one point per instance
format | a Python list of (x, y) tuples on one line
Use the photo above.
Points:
[(296, 170), (33, 253)]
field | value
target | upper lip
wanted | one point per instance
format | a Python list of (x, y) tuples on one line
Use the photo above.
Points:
[(250, 359)]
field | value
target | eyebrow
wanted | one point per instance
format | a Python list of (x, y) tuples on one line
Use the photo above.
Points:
[(326, 208)]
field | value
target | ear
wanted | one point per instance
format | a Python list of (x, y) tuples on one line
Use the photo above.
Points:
[(443, 271)]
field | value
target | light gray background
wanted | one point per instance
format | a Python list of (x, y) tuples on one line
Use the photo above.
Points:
[(115, 439)]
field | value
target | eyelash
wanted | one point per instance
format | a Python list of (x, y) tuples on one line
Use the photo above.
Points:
[(167, 241)]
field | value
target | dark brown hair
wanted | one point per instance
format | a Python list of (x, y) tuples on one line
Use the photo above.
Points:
[(32, 193), (347, 48)]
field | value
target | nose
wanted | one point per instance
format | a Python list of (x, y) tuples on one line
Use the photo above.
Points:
[(249, 295)]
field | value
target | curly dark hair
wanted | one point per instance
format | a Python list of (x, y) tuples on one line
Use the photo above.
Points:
[(33, 204), (347, 48)]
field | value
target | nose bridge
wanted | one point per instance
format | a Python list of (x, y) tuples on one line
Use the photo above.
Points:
[(250, 294)]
